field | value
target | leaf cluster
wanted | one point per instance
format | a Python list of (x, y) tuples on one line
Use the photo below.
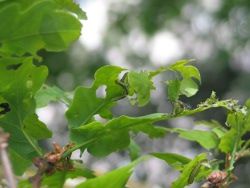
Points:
[(53, 25)]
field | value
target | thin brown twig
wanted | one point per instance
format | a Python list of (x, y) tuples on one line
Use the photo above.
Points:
[(5, 160)]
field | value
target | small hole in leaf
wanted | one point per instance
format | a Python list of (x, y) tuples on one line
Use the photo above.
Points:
[(101, 91), (97, 117), (4, 108), (122, 75), (13, 66)]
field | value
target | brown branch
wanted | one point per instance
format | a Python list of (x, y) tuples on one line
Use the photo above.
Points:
[(5, 160), (50, 163)]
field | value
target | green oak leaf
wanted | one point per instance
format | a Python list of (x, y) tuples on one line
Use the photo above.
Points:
[(114, 179), (228, 141), (71, 6), (17, 88), (231, 139), (174, 160), (110, 142), (186, 71), (173, 89), (51, 26), (58, 179), (150, 130), (86, 103), (189, 172), (216, 127), (47, 94), (247, 104), (18, 162), (15, 62), (134, 150), (111, 136), (85, 135), (141, 85), (188, 87), (247, 123), (68, 5), (106, 140), (219, 131), (35, 128), (206, 139)]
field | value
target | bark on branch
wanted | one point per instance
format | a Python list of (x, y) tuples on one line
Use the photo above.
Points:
[(7, 170)]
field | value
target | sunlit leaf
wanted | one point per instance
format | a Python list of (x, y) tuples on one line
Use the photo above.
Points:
[(71, 6), (188, 87), (50, 26), (47, 94)]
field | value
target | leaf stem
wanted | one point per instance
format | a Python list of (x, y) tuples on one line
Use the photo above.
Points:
[(233, 154), (78, 146), (32, 144), (164, 117)]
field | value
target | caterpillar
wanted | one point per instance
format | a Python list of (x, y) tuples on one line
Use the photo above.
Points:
[(195, 172)]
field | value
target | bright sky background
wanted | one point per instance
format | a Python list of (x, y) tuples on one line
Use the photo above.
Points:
[(163, 47)]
